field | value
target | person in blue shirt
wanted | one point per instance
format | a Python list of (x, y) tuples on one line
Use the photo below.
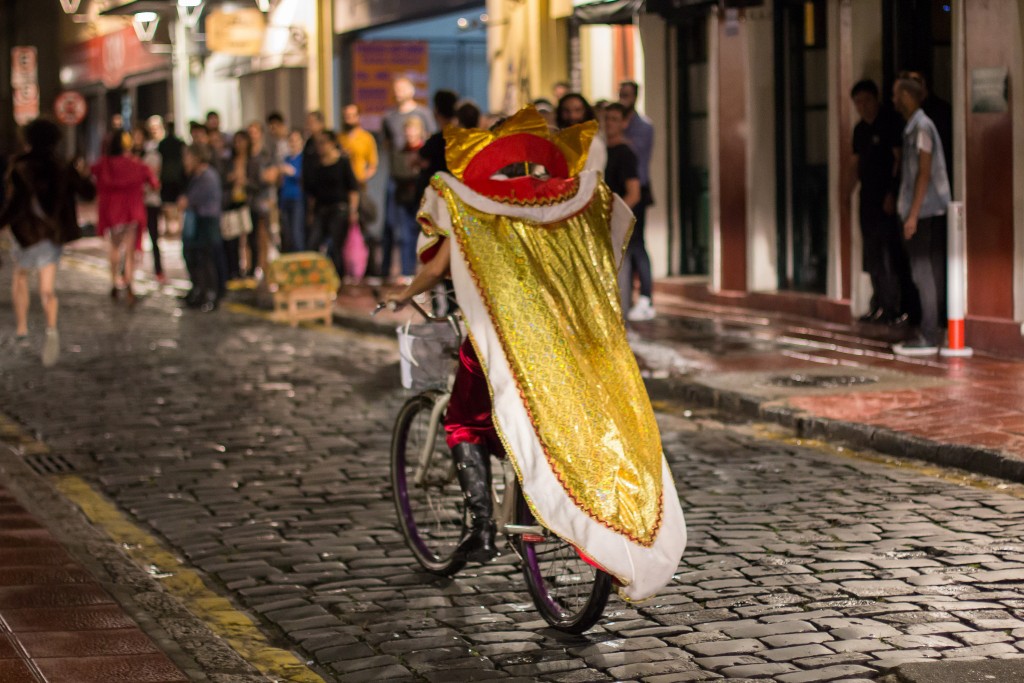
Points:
[(923, 199), (201, 207), (291, 201)]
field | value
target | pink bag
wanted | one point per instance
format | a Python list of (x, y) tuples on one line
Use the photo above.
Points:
[(355, 253)]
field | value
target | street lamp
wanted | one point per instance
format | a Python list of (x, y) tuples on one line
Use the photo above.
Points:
[(145, 24)]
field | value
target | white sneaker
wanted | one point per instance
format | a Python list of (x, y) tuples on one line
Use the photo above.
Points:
[(643, 310), (51, 347), (915, 347)]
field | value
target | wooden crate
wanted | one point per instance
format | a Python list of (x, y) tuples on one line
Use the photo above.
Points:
[(304, 286), (304, 303)]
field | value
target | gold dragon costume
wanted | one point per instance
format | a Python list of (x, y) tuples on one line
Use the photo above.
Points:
[(534, 261)]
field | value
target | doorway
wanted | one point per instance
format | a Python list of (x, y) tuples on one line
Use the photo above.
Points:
[(801, 95), (917, 36), (694, 192)]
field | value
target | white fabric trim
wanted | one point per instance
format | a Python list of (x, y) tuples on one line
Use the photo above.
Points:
[(538, 214), (622, 226), (433, 205), (642, 570), (597, 155)]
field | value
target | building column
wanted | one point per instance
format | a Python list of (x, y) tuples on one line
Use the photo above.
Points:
[(841, 152), (527, 50), (321, 81), (1016, 73), (729, 133), (989, 42)]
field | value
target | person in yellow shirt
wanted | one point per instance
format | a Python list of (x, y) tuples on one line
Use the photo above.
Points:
[(359, 144), (361, 148)]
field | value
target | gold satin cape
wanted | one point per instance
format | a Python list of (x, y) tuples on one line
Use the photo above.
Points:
[(551, 292)]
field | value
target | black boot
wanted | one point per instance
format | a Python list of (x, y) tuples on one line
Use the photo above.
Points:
[(473, 464)]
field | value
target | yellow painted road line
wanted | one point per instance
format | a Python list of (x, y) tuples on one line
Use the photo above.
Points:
[(951, 475), (246, 309), (217, 612), (15, 435)]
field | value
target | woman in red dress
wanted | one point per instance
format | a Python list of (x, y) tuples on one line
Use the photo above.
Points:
[(120, 181)]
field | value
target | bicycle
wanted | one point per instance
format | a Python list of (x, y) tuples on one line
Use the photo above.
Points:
[(569, 593)]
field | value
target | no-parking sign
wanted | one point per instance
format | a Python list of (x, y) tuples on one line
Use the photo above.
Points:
[(70, 108)]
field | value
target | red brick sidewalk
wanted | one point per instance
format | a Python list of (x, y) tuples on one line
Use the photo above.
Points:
[(975, 401), (57, 624)]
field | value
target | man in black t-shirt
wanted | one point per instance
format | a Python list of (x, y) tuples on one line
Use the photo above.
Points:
[(620, 172), (623, 178), (877, 140), (335, 193), (431, 154)]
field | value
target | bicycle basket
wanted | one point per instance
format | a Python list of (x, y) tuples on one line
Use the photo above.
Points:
[(425, 351)]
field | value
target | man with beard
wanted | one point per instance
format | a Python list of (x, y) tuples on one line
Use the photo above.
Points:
[(640, 135)]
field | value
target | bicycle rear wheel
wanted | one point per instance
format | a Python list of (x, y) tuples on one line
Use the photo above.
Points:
[(569, 593), (428, 499)]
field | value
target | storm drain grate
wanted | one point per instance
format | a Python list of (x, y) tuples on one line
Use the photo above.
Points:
[(50, 463), (821, 381)]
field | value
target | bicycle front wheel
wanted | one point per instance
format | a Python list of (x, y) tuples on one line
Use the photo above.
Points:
[(428, 498), (569, 593)]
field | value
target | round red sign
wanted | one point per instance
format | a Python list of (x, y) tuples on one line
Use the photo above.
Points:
[(70, 108)]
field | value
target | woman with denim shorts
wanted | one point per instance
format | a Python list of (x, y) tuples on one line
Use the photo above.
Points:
[(41, 212)]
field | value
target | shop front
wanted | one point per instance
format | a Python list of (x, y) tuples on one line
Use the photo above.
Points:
[(436, 44), (762, 135), (266, 56), (117, 75)]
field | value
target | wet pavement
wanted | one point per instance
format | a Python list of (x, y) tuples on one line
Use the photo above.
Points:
[(828, 380), (257, 454), (825, 380)]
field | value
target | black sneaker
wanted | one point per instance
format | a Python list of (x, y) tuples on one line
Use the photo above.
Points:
[(874, 316)]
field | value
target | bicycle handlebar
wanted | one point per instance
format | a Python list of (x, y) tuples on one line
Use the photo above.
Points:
[(451, 319)]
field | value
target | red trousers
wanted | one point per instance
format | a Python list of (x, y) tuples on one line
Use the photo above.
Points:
[(468, 419)]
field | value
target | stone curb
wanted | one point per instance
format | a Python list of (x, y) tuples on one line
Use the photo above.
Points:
[(978, 671), (974, 459)]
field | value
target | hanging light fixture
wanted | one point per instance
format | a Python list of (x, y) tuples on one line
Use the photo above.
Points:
[(145, 24), (189, 12), (70, 6)]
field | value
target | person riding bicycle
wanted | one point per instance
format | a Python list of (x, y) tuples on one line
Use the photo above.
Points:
[(546, 377)]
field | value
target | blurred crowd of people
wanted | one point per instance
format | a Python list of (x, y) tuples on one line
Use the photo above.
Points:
[(238, 199)]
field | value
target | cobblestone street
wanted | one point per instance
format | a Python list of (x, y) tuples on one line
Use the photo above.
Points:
[(259, 454)]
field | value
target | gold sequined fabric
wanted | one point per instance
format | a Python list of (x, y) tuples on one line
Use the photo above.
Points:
[(552, 295)]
